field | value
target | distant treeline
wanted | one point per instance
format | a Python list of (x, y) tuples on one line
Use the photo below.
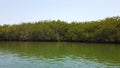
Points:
[(106, 30)]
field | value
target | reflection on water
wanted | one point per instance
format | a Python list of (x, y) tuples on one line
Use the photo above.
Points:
[(58, 55)]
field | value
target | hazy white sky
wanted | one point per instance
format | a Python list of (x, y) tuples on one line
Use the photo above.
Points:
[(17, 11)]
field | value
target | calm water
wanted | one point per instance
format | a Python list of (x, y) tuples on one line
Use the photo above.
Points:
[(58, 55)]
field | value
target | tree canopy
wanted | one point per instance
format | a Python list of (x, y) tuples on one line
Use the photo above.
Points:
[(106, 30)]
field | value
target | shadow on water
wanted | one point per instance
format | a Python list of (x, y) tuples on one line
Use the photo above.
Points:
[(61, 54)]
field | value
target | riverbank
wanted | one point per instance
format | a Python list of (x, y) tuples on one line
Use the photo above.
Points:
[(61, 41)]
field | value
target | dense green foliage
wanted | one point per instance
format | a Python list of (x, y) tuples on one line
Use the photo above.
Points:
[(106, 30)]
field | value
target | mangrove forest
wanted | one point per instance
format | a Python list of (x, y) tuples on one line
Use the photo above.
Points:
[(105, 30)]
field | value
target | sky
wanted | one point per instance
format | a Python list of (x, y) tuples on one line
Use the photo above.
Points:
[(18, 11)]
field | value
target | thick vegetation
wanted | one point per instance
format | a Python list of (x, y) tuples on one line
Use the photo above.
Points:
[(106, 30)]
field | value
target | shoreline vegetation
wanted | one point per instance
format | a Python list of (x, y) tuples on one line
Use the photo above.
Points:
[(102, 31)]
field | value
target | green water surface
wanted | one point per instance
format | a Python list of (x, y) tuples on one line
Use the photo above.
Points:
[(59, 55)]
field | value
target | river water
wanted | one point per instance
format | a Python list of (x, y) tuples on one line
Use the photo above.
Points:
[(59, 55)]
